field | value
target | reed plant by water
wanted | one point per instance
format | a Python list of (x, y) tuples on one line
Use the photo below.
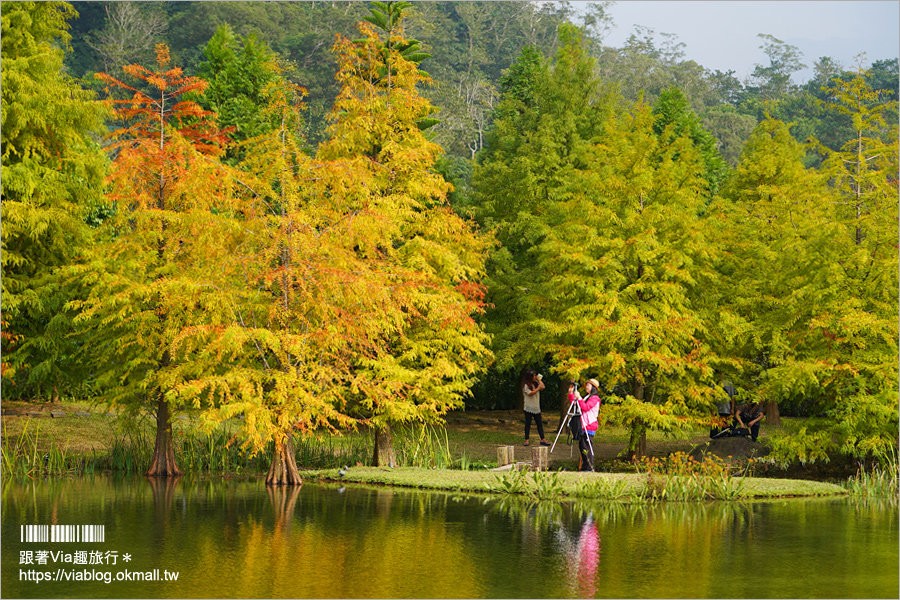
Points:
[(330, 451), (419, 445), (510, 482), (464, 463), (423, 446), (32, 454), (883, 481), (129, 450), (536, 485), (546, 485), (675, 478), (29, 455), (606, 488), (218, 452)]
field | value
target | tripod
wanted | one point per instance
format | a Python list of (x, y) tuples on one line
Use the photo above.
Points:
[(574, 410)]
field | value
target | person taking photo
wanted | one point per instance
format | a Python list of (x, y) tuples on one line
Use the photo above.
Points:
[(531, 389), (590, 408)]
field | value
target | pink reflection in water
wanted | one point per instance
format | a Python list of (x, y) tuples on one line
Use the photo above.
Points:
[(588, 559), (583, 558)]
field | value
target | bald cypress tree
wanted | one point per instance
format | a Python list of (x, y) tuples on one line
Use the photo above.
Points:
[(857, 311), (352, 283), (816, 273), (605, 258), (298, 305), (776, 223), (431, 347), (547, 113), (144, 277)]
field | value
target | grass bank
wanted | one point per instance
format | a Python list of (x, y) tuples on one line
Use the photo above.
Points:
[(633, 487)]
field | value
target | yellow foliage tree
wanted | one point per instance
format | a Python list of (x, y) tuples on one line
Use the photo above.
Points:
[(353, 285)]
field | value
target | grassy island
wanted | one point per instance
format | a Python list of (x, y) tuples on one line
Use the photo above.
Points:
[(549, 485)]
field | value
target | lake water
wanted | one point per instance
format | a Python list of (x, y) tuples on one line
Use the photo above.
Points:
[(236, 539)]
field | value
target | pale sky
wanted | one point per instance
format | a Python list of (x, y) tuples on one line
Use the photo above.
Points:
[(723, 34)]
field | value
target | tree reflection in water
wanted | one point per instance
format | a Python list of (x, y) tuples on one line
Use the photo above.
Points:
[(324, 541)]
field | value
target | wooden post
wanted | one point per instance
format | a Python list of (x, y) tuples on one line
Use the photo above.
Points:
[(505, 455), (540, 458), (502, 456)]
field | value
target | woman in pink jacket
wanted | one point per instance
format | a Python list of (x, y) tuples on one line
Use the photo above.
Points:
[(590, 408)]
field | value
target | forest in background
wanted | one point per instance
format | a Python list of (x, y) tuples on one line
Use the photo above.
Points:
[(471, 44), (593, 211)]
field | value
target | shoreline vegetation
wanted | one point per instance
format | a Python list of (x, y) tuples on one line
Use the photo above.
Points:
[(450, 458)]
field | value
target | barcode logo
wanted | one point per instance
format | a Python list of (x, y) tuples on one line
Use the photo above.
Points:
[(63, 533)]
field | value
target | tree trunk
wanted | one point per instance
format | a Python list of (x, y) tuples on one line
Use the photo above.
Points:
[(384, 455), (283, 470), (773, 419), (637, 443), (163, 464)]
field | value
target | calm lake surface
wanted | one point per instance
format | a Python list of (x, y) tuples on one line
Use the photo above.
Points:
[(236, 539)]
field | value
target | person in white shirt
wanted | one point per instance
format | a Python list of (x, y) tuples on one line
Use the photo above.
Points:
[(531, 389)]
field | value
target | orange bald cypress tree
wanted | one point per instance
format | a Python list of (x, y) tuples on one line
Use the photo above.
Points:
[(145, 278)]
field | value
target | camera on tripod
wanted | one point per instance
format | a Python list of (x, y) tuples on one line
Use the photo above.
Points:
[(573, 421)]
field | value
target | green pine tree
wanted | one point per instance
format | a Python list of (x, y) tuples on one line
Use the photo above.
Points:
[(238, 70), (675, 119), (52, 175)]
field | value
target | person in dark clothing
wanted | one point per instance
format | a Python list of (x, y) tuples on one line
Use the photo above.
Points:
[(747, 416)]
